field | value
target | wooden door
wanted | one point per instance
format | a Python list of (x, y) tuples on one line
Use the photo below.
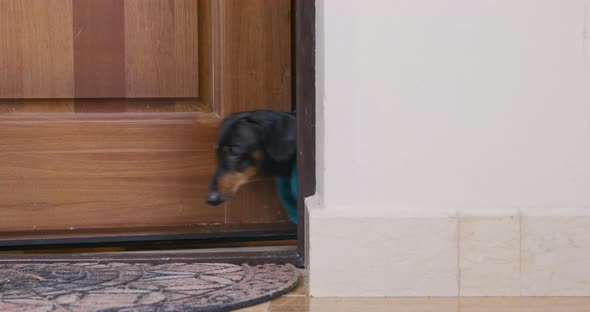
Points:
[(109, 111)]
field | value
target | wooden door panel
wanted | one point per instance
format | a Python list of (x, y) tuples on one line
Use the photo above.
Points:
[(130, 147), (256, 55), (256, 75), (161, 48), (36, 49), (135, 171), (99, 48), (124, 164), (20, 106), (98, 203), (98, 133), (168, 105), (256, 204)]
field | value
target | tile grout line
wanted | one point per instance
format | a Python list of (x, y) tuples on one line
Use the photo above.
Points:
[(520, 254), (293, 296), (458, 256)]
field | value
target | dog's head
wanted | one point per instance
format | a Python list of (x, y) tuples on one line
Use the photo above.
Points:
[(250, 144)]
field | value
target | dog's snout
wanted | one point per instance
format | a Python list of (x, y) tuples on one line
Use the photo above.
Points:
[(214, 198)]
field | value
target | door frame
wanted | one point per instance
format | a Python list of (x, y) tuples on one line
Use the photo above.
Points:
[(303, 99)]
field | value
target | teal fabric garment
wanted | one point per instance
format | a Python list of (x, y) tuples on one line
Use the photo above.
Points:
[(288, 194)]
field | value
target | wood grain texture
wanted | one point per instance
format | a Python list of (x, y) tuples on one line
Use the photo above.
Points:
[(36, 105), (139, 105), (255, 74), (11, 50), (49, 106), (161, 48), (186, 41), (154, 173), (95, 105), (10, 106), (125, 105), (36, 49), (99, 48), (32, 106), (21, 133), (209, 65), (192, 105), (48, 58), (131, 164), (256, 55), (150, 105), (117, 202), (257, 203)]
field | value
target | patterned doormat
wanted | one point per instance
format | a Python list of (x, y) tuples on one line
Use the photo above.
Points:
[(124, 287)]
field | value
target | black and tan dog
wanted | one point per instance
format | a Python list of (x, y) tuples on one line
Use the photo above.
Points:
[(261, 142)]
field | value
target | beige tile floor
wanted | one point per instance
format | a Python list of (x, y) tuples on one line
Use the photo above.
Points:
[(298, 301)]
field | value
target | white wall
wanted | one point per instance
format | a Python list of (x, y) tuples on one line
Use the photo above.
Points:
[(453, 148), (442, 106)]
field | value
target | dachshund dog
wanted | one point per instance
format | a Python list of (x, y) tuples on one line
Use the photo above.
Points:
[(250, 144)]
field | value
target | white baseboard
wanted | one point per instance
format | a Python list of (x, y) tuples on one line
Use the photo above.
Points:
[(491, 255)]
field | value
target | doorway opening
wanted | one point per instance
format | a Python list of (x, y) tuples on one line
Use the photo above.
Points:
[(108, 144)]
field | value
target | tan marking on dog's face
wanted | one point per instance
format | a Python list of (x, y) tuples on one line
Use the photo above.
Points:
[(228, 184), (257, 154)]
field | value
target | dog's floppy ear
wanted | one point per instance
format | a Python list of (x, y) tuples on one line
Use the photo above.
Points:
[(279, 134), (228, 123)]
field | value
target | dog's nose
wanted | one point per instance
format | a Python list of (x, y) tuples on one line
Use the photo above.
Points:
[(213, 198)]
